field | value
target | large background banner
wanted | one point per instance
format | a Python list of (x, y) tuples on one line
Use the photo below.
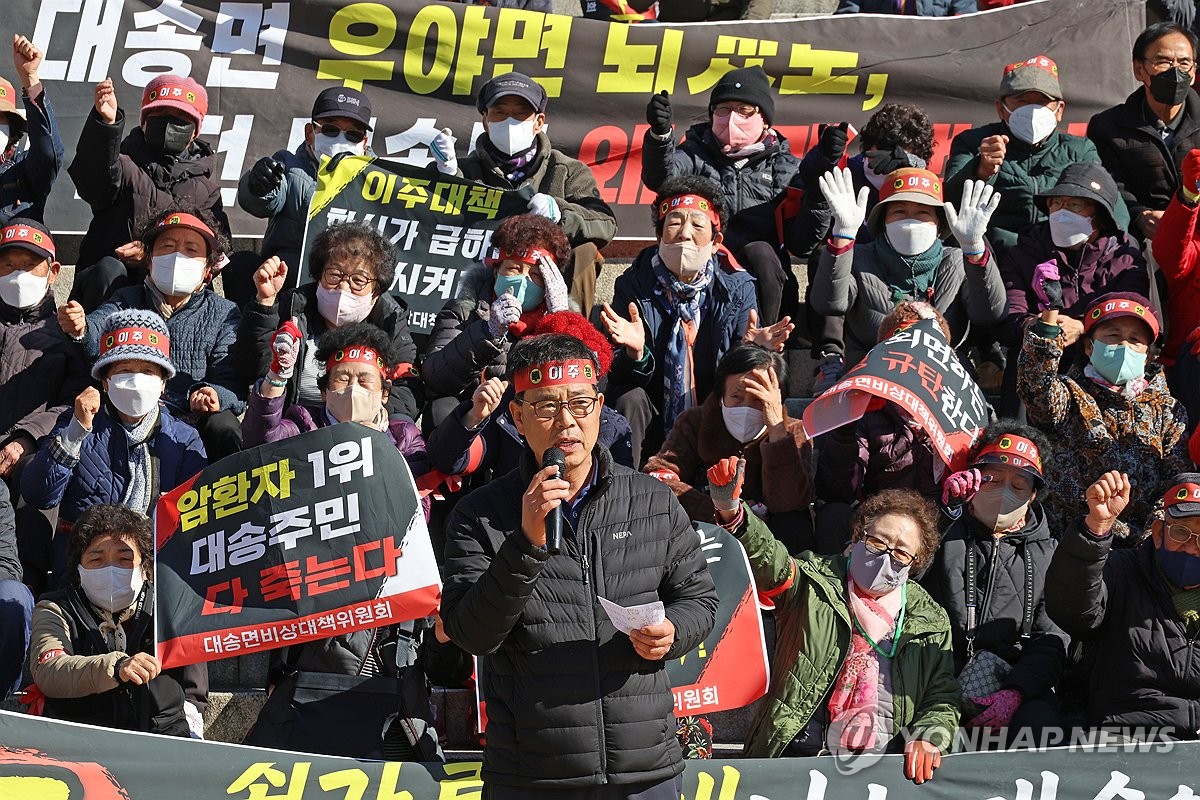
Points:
[(310, 537), (41, 759), (423, 62)]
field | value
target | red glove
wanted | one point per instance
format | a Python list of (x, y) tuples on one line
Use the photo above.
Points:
[(920, 760), (999, 709), (285, 348), (725, 482), (960, 487), (1190, 185)]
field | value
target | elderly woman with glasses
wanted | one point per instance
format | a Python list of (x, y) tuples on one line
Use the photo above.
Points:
[(352, 266), (863, 656)]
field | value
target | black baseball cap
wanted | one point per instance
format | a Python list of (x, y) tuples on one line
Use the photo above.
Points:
[(339, 101), (513, 83)]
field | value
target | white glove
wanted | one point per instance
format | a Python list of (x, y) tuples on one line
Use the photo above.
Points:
[(848, 211), (979, 202), (555, 287), (545, 206), (444, 157), (503, 312)]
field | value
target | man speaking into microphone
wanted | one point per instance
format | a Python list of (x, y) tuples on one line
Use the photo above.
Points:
[(576, 709)]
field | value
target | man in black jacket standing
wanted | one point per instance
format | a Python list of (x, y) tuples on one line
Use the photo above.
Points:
[(575, 708)]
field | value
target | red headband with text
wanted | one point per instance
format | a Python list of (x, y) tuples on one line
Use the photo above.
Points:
[(23, 233), (555, 373), (143, 337), (1181, 493), (690, 202), (356, 355), (526, 255), (1013, 450)]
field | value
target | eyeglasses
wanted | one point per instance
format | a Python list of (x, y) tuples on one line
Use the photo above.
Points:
[(579, 407), (879, 547), (1076, 204), (1182, 534), (1163, 64), (334, 278), (744, 111), (353, 135)]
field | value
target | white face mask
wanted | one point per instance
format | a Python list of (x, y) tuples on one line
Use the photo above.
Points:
[(1032, 124), (22, 289), (177, 274), (5, 137), (744, 423), (354, 404), (873, 177), (341, 307), (684, 260), (330, 146), (911, 237), (112, 588), (1068, 229), (512, 135), (135, 393)]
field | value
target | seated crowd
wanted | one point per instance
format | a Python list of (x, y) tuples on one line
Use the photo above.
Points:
[(912, 600)]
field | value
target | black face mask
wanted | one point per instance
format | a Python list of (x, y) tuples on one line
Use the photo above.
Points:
[(1170, 87), (171, 135)]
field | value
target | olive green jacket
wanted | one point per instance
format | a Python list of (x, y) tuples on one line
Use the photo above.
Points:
[(813, 625)]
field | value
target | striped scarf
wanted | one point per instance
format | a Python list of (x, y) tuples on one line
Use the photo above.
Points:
[(137, 491), (684, 302)]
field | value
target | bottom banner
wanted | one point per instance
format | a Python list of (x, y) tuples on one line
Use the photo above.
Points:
[(46, 760)]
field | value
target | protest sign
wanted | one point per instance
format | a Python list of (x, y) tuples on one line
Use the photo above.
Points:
[(439, 225), (917, 370), (302, 539)]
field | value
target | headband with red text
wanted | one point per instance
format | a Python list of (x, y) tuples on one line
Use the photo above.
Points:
[(533, 256), (356, 355), (690, 202), (555, 373), (1016, 451), (24, 234), (136, 336)]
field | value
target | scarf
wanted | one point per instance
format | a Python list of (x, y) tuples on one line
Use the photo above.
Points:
[(113, 629), (1129, 391), (910, 277), (515, 168), (741, 156), (137, 492), (854, 703), (683, 301), (159, 301)]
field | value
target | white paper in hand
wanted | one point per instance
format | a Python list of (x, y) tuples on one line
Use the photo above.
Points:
[(635, 617)]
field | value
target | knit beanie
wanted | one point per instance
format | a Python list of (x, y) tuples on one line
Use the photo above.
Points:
[(134, 334)]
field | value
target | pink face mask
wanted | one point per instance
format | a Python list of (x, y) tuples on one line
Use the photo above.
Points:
[(736, 131)]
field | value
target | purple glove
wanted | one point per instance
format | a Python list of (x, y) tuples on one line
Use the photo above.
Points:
[(1047, 285), (960, 487), (999, 709)]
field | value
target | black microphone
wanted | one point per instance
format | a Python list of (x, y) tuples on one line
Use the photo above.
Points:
[(553, 457)]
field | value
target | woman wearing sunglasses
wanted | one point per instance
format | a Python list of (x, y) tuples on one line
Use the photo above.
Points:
[(863, 656)]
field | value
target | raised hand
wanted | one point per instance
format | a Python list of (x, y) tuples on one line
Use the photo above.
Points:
[(72, 319), (87, 406), (960, 487), (772, 337), (27, 59), (504, 312), (832, 141), (658, 113), (991, 156), (970, 222), (485, 400), (725, 480), (627, 333), (285, 349), (444, 157), (106, 101), (554, 285), (765, 389), (266, 176), (131, 253), (269, 279), (1106, 499), (849, 210)]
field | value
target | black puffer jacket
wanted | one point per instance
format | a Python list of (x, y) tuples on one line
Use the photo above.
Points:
[(750, 192), (1120, 606), (1000, 578), (124, 180), (253, 347), (570, 702)]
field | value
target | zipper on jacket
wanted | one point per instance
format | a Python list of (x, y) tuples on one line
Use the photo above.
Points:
[(587, 515), (987, 595)]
